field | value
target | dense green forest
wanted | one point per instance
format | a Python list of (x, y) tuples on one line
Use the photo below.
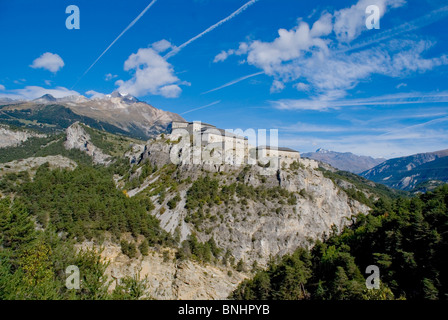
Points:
[(84, 202), (47, 215), (68, 207), (41, 219), (33, 263), (406, 238)]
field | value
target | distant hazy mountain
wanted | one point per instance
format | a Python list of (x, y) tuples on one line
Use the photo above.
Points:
[(346, 161), (116, 113), (45, 99), (421, 171)]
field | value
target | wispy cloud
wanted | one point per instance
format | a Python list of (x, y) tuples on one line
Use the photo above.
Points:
[(234, 14), (415, 24), (392, 99), (116, 39), (413, 129), (374, 141), (233, 82), (203, 107), (372, 145), (33, 92), (317, 56), (301, 127), (110, 76)]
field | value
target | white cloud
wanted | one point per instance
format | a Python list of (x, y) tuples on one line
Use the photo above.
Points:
[(48, 82), (300, 86), (152, 73), (277, 86), (170, 91), (401, 28), (311, 57), (94, 94), (110, 76), (33, 92), (222, 56), (350, 22), (162, 45), (49, 61), (2, 87)]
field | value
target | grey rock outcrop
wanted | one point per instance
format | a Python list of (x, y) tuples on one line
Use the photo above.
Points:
[(78, 138), (31, 164), (169, 279), (252, 229), (9, 137)]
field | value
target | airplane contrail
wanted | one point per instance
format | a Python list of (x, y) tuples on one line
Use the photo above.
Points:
[(209, 105), (237, 12), (116, 39), (418, 23), (233, 82)]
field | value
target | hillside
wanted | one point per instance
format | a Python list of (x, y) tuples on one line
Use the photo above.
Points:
[(408, 173), (345, 161), (115, 113), (219, 220), (406, 239)]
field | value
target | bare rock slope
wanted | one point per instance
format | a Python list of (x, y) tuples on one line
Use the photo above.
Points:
[(169, 279), (267, 215), (78, 138)]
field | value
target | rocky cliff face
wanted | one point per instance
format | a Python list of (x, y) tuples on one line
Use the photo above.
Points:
[(31, 164), (169, 279), (9, 137), (253, 228), (78, 138)]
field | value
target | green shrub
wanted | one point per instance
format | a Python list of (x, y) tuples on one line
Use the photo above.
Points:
[(128, 248)]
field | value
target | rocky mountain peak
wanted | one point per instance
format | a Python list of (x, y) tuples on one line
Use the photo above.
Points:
[(321, 150), (125, 97), (46, 98), (78, 138)]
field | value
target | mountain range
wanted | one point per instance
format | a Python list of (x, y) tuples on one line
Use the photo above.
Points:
[(418, 172), (345, 161), (196, 231), (115, 112), (230, 216)]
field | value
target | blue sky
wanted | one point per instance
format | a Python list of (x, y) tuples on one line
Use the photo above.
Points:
[(311, 69)]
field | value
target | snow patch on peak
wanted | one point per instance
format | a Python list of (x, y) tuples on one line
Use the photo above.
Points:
[(321, 150)]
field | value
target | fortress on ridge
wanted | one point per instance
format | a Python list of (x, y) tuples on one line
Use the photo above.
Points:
[(235, 147)]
